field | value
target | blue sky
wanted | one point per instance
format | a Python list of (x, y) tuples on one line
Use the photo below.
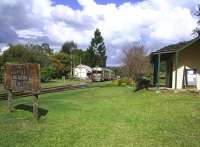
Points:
[(155, 23), (75, 5)]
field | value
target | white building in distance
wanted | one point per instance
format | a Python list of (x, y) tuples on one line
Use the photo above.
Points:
[(82, 72)]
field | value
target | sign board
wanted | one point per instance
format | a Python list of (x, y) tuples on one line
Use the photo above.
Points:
[(22, 77), (191, 77)]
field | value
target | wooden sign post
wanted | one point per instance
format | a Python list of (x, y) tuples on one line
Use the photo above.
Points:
[(23, 78)]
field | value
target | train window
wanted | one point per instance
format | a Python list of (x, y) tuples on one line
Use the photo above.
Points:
[(97, 72)]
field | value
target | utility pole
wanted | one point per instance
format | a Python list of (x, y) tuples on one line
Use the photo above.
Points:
[(71, 64)]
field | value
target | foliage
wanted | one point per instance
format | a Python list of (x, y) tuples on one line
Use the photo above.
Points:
[(31, 53), (196, 31), (90, 58), (21, 53), (16, 54), (61, 64), (123, 80), (78, 56), (47, 48), (96, 53), (119, 71), (136, 61), (46, 74), (105, 116), (68, 47)]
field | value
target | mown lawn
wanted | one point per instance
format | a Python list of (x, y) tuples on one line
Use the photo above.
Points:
[(105, 116)]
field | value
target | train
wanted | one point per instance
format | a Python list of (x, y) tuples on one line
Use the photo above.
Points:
[(102, 74)]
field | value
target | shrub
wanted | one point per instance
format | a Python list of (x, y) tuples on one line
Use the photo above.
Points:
[(142, 83), (115, 82), (122, 81), (46, 74)]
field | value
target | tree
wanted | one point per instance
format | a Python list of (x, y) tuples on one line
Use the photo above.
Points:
[(119, 71), (89, 58), (47, 73), (47, 48), (136, 61), (196, 31), (96, 52), (16, 54), (78, 56), (28, 53), (38, 55), (68, 46), (61, 64)]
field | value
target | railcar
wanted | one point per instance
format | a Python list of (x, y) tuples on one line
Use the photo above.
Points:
[(102, 74)]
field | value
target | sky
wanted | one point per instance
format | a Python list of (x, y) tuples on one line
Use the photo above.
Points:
[(154, 23)]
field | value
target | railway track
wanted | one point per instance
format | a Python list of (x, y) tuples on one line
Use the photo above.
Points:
[(3, 96)]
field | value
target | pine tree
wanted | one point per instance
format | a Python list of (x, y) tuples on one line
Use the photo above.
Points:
[(97, 50)]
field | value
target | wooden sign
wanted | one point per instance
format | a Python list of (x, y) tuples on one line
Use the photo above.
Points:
[(22, 77)]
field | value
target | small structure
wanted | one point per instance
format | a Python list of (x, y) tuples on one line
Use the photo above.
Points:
[(182, 65), (82, 72)]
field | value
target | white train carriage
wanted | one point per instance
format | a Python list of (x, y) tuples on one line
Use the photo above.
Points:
[(102, 74)]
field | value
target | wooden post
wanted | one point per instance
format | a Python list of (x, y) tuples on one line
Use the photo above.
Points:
[(158, 75), (10, 100), (176, 70), (35, 106)]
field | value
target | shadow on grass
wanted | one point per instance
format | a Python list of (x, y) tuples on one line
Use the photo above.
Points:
[(41, 111)]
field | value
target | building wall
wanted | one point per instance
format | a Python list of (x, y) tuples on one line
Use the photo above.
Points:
[(189, 58), (180, 72), (80, 73)]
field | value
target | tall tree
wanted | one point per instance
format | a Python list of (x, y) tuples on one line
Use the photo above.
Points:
[(90, 57), (135, 60), (196, 31), (97, 50), (68, 47)]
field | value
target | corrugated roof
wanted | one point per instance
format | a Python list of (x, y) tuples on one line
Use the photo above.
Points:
[(84, 66)]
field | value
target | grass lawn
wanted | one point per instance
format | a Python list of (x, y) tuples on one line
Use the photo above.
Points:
[(105, 116), (54, 83)]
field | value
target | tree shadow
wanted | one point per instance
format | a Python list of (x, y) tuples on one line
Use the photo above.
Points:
[(41, 111)]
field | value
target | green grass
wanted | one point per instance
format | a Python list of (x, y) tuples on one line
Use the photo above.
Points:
[(54, 83), (105, 116)]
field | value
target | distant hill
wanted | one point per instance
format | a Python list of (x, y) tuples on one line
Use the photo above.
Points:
[(174, 47)]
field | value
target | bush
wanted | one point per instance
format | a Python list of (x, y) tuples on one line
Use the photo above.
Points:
[(142, 83), (122, 81), (46, 74), (115, 82)]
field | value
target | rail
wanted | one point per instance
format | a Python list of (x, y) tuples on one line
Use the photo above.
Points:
[(16, 94)]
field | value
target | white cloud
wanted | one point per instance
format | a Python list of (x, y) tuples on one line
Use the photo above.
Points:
[(29, 33), (153, 22)]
